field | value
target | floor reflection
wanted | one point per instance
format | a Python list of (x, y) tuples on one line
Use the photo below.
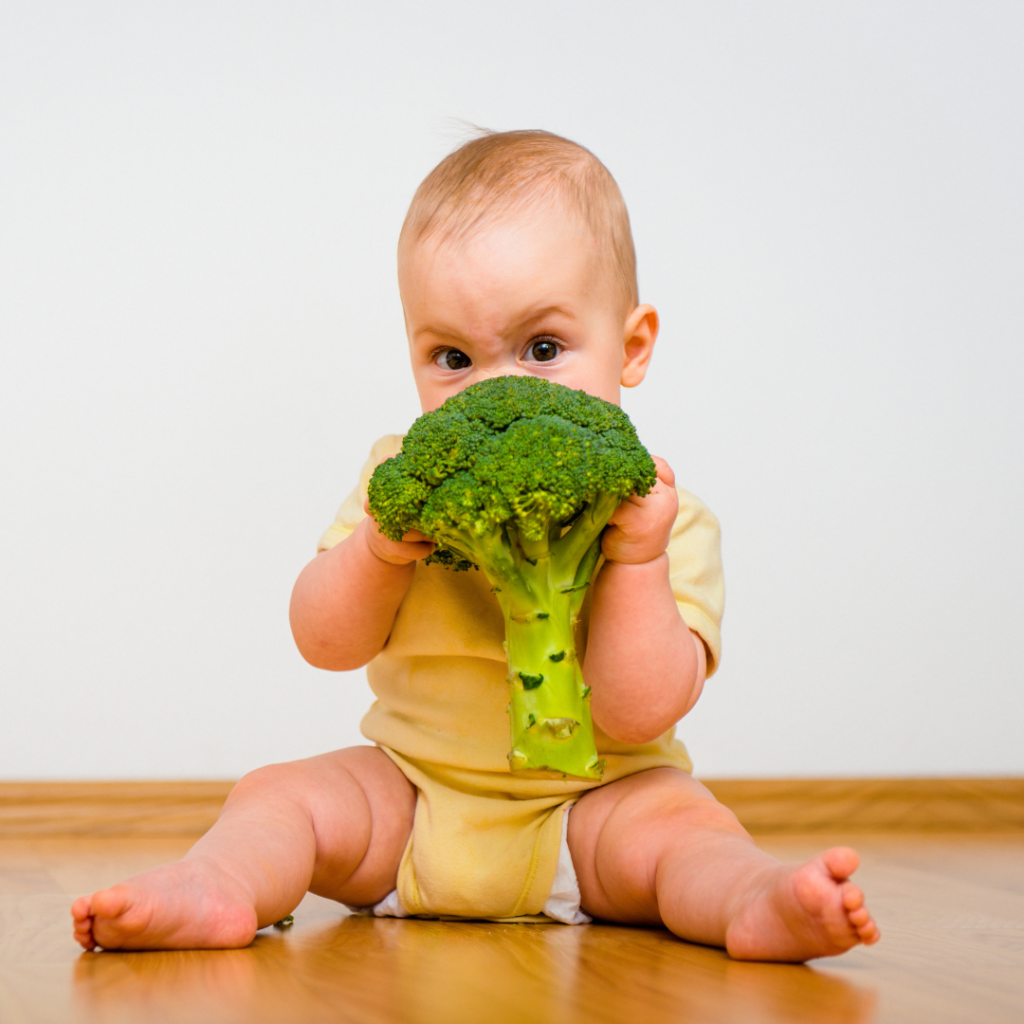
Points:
[(429, 972)]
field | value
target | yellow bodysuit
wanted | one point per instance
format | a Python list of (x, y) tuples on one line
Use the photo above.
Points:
[(485, 842)]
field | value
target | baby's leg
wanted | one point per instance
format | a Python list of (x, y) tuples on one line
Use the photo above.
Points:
[(657, 848), (336, 825)]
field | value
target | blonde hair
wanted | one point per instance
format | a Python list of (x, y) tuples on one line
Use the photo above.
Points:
[(502, 172)]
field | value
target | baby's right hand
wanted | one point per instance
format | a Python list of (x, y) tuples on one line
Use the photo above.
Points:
[(411, 548)]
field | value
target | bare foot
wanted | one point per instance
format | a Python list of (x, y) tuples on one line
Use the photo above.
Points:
[(796, 913), (188, 905)]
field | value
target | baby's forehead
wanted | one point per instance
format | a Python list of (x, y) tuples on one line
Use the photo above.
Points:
[(517, 268), (545, 231), (467, 224), (500, 178)]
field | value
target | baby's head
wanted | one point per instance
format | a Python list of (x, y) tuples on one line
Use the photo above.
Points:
[(516, 257)]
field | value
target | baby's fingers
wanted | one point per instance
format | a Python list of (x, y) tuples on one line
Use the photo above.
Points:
[(400, 552), (665, 472), (417, 550), (414, 535), (664, 484), (627, 514)]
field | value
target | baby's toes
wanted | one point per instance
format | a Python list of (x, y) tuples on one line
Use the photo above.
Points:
[(841, 862), (859, 917), (81, 913), (81, 908), (110, 903), (83, 934), (853, 898)]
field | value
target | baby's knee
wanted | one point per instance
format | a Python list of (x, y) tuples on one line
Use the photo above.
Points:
[(666, 804), (265, 781), (702, 813)]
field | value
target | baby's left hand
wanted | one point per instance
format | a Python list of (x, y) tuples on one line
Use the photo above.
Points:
[(639, 529)]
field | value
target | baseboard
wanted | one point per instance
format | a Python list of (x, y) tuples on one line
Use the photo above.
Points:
[(763, 805), (110, 808), (874, 805)]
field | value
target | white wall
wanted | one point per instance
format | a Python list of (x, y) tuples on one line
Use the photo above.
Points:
[(201, 337)]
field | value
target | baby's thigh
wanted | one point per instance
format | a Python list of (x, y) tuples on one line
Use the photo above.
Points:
[(362, 810), (618, 833)]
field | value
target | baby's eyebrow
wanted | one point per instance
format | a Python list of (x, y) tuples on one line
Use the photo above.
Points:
[(539, 314), (429, 332), (522, 322)]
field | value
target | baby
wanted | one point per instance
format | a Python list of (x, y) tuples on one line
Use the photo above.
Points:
[(515, 258)]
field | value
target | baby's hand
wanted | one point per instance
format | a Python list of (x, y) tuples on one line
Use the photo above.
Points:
[(639, 529), (411, 548)]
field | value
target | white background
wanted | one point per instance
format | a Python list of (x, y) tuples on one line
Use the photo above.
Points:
[(201, 337)]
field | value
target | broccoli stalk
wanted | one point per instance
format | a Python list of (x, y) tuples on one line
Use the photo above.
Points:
[(540, 586), (518, 477)]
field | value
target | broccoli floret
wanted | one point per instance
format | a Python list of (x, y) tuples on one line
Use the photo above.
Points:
[(517, 476)]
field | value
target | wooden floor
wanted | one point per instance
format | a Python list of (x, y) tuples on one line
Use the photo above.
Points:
[(951, 909)]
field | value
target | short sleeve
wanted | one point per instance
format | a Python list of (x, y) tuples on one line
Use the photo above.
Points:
[(351, 511), (695, 571)]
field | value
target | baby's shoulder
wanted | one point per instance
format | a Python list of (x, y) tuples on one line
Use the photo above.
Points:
[(351, 512), (387, 447)]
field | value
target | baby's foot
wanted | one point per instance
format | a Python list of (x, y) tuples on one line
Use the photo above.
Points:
[(188, 905), (797, 913)]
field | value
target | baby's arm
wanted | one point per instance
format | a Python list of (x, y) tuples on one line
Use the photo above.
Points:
[(345, 601), (646, 669)]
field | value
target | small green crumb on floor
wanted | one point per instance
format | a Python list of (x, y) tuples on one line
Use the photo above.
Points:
[(285, 922)]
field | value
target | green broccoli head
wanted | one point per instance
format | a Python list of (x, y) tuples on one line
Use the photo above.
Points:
[(518, 476), (511, 450)]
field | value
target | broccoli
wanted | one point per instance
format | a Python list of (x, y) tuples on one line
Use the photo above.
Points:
[(518, 476)]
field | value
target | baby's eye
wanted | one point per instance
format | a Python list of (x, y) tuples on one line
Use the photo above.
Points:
[(543, 350), (452, 359)]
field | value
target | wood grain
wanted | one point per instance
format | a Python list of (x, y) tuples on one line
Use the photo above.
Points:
[(764, 806), (110, 808), (874, 805), (951, 909)]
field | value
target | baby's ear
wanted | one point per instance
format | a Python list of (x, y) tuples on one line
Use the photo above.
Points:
[(640, 332)]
